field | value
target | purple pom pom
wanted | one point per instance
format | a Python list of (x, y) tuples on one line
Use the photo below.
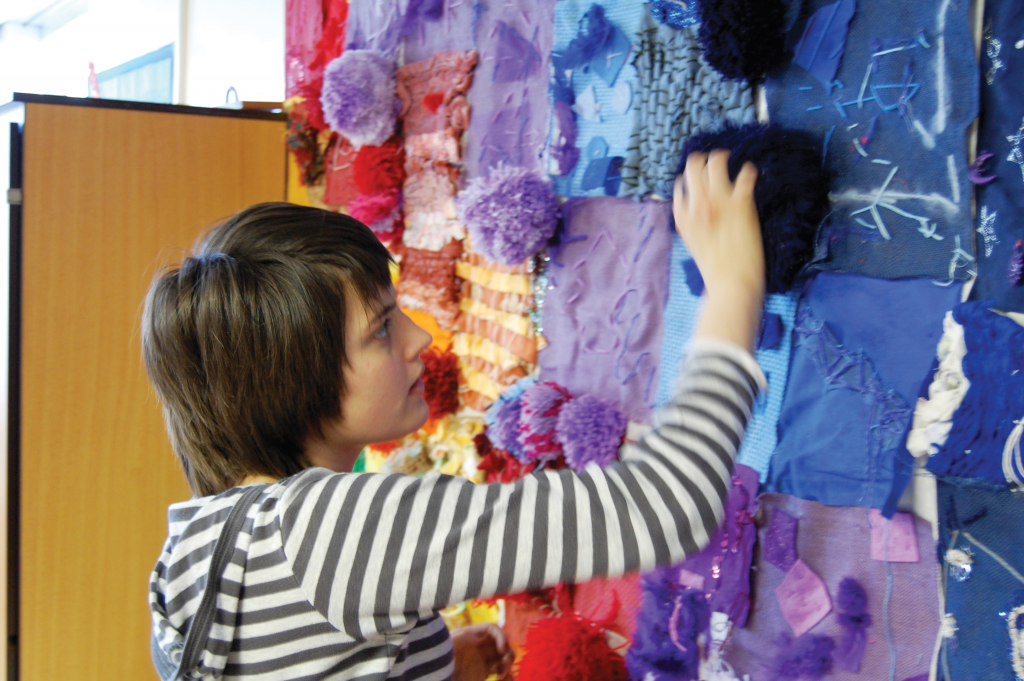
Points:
[(504, 434), (806, 657), (743, 38), (541, 404), (359, 97), (791, 192), (852, 598), (590, 429), (510, 214)]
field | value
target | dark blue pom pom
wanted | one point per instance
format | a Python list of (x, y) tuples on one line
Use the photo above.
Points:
[(743, 38), (791, 192)]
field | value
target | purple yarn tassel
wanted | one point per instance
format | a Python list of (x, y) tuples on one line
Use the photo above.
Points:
[(852, 603), (805, 657)]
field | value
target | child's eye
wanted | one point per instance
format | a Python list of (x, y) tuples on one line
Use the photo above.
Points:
[(384, 331)]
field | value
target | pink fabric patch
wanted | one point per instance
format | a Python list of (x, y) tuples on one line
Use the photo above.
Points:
[(902, 538), (803, 598), (690, 580)]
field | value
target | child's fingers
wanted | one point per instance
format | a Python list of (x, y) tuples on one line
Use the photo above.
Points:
[(718, 173), (679, 192), (696, 179), (746, 180)]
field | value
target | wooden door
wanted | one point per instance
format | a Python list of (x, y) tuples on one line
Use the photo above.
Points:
[(110, 195)]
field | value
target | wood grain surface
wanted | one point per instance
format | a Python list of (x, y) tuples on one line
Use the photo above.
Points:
[(110, 197)]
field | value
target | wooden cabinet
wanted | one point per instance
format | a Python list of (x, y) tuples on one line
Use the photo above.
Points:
[(111, 194)]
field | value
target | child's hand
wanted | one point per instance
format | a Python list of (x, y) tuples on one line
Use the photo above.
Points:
[(481, 651), (717, 220)]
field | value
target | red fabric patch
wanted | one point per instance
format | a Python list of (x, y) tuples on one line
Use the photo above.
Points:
[(499, 465), (380, 169), (433, 101), (340, 187)]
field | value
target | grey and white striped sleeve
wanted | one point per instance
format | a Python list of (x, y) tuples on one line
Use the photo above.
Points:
[(377, 552)]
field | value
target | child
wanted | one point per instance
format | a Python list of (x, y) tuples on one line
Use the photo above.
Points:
[(278, 354)]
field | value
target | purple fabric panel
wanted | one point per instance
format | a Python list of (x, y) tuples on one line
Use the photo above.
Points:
[(779, 547), (730, 550), (509, 121), (453, 31), (603, 310), (836, 543)]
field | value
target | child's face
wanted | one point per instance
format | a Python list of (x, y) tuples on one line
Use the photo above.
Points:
[(384, 391)]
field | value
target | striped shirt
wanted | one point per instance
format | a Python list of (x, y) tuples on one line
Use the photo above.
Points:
[(341, 575)]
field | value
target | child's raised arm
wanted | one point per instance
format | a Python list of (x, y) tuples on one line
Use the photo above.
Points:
[(376, 553)]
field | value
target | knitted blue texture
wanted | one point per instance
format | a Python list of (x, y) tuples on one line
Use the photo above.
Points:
[(680, 95), (680, 320), (994, 365)]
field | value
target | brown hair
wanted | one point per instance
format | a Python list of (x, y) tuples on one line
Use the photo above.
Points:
[(245, 340)]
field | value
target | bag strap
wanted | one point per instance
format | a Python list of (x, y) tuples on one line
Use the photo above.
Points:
[(199, 630)]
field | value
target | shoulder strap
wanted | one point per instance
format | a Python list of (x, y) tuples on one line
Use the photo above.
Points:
[(202, 621)]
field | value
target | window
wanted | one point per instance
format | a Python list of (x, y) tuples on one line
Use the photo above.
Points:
[(149, 78)]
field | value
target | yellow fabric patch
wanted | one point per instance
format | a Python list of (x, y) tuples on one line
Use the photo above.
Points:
[(469, 345), (496, 281), (512, 322), (480, 382)]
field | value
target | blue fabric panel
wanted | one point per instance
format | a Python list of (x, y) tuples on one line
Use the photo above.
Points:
[(982, 521), (863, 347), (681, 318), (914, 62), (613, 127), (1000, 208)]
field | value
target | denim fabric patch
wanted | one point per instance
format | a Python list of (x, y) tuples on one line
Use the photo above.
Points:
[(1000, 210), (894, 124), (863, 347), (981, 550)]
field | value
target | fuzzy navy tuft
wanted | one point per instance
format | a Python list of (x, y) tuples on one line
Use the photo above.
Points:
[(791, 193), (743, 38)]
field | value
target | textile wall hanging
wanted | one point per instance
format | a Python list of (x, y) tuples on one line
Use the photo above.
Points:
[(852, 387), (998, 171), (603, 307), (891, 88), (773, 353), (802, 621)]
